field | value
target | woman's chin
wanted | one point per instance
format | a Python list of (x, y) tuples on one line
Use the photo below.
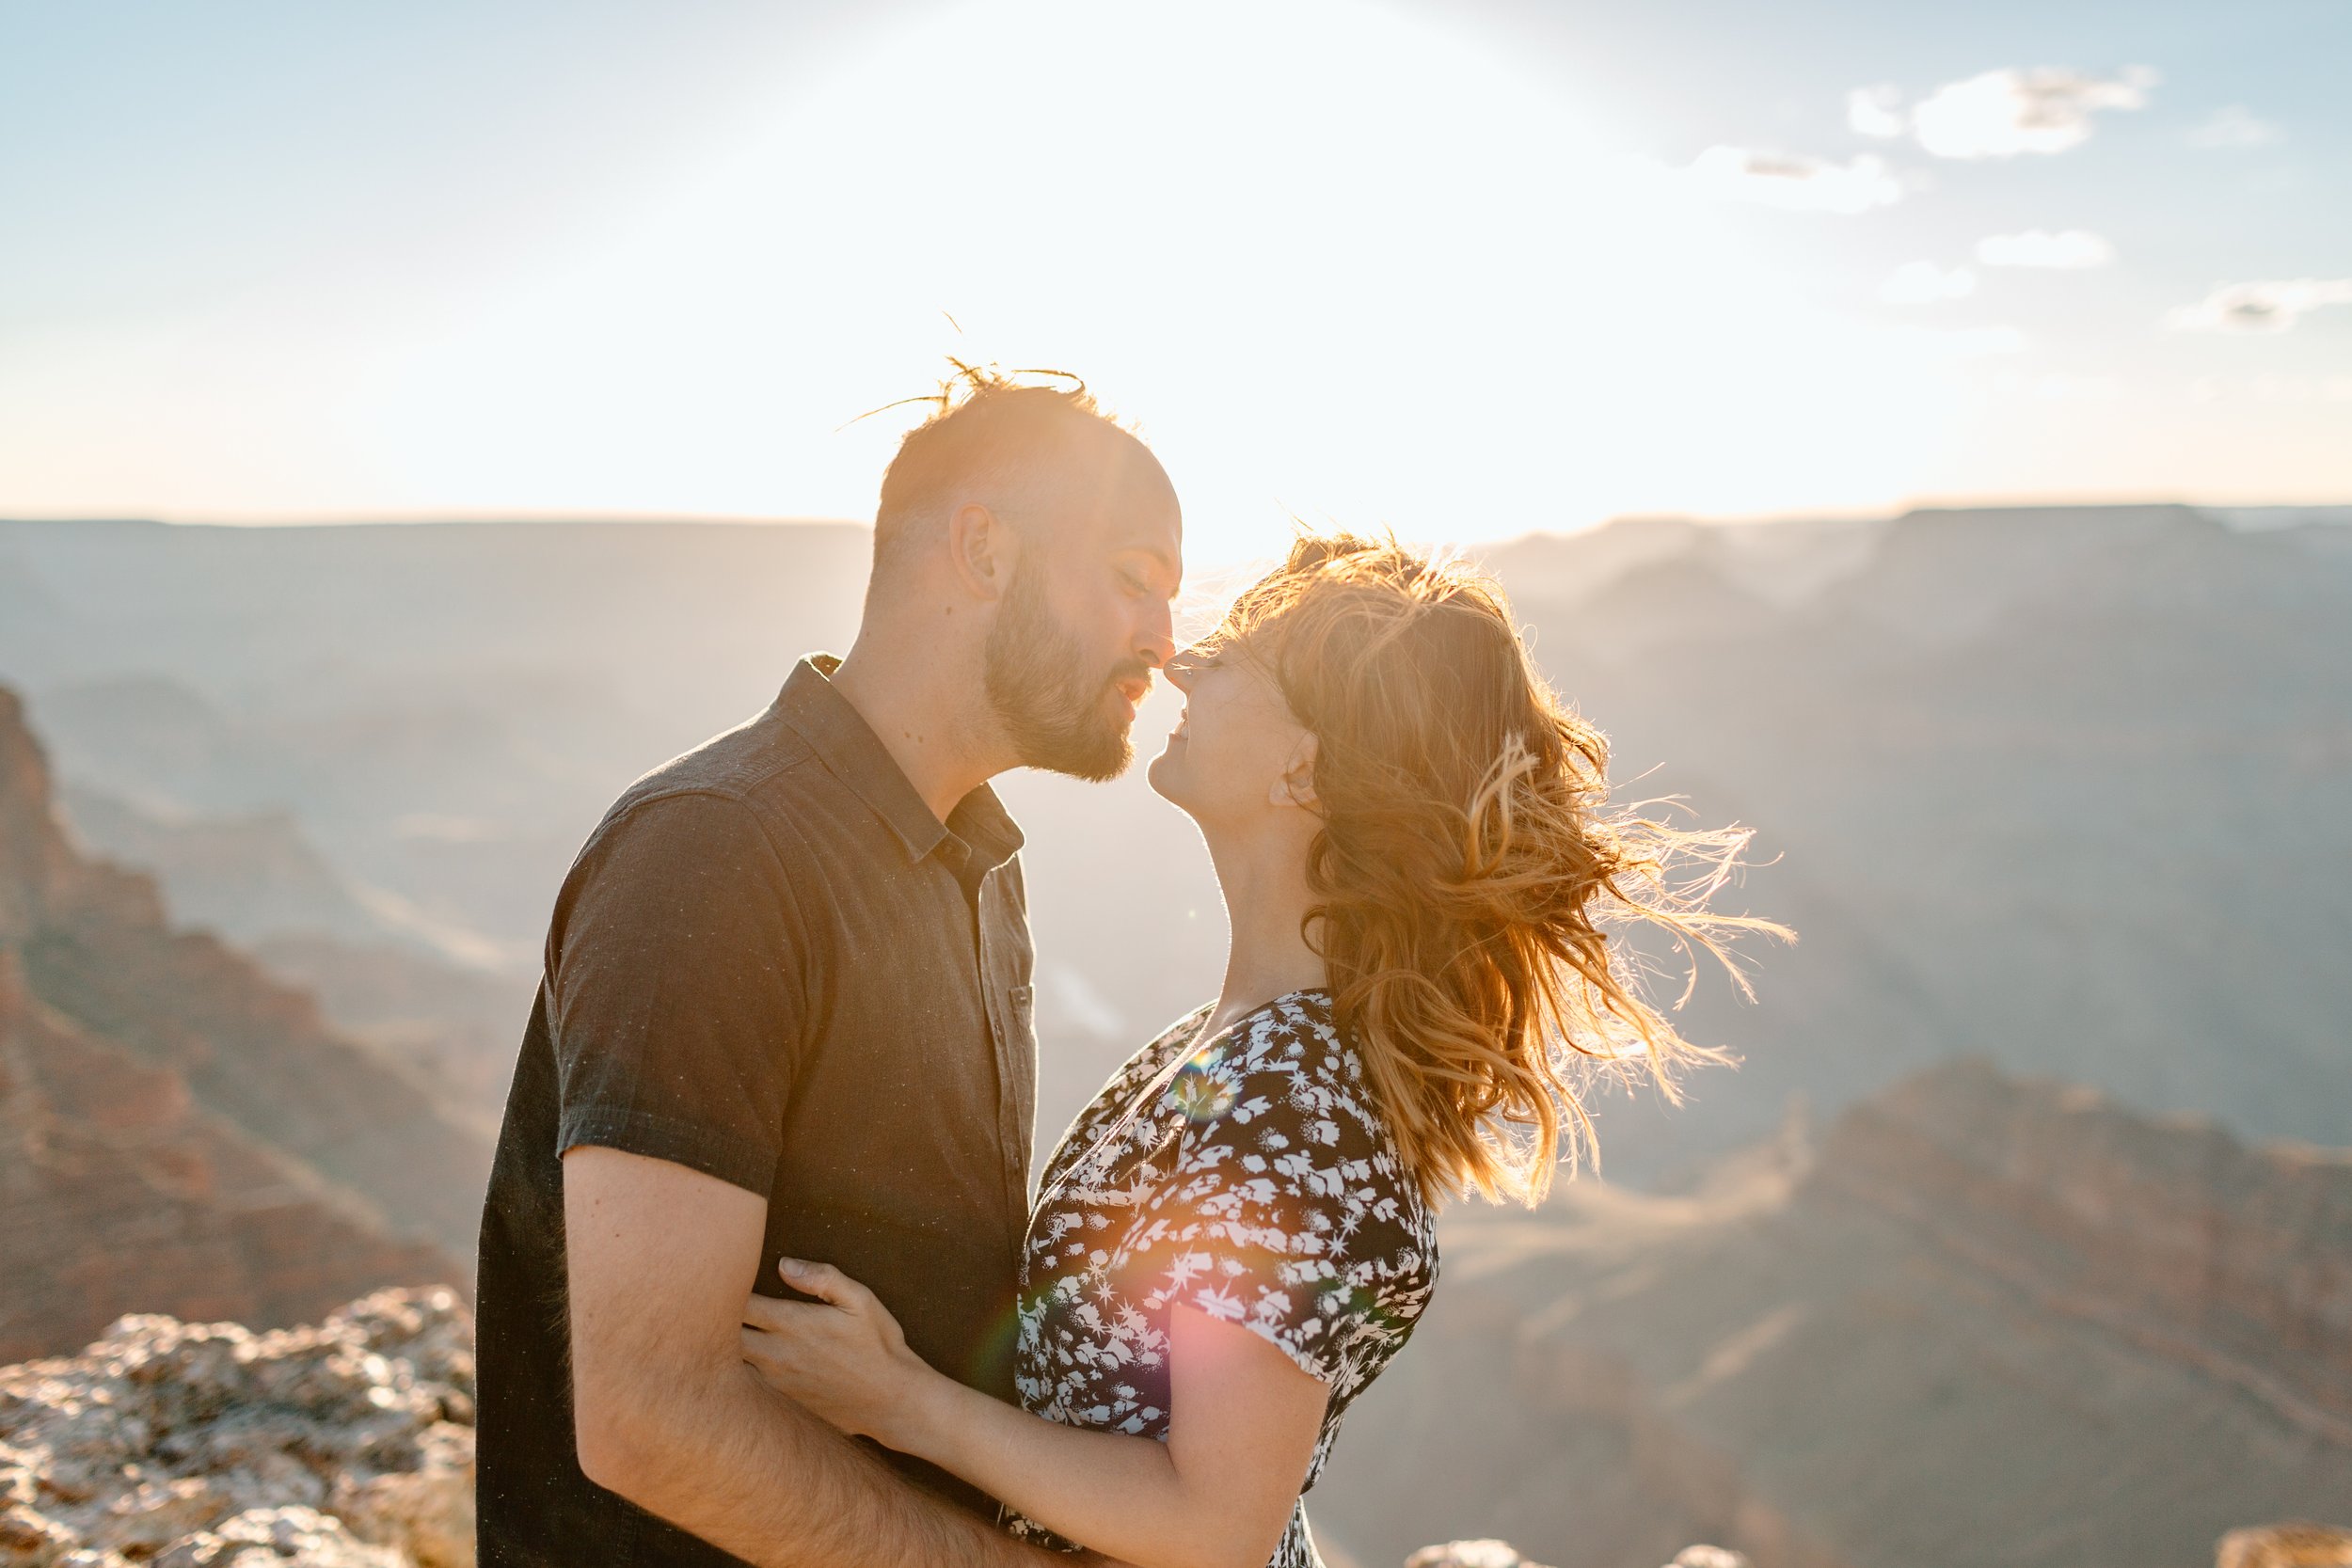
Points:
[(1166, 770)]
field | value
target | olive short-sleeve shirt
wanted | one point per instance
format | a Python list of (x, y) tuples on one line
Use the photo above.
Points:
[(772, 964)]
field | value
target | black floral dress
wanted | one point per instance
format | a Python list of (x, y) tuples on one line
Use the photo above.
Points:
[(1248, 1175)]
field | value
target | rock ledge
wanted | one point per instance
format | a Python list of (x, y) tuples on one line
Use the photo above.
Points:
[(349, 1444)]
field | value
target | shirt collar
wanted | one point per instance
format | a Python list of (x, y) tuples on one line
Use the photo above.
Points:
[(979, 829)]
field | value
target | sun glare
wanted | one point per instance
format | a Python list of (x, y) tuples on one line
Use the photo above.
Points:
[(1337, 261)]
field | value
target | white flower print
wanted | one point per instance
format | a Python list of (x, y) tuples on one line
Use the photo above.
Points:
[(1248, 1177)]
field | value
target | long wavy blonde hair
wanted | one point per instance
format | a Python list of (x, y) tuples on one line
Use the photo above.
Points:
[(1468, 862)]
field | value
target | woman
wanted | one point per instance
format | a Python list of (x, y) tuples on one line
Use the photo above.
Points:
[(1237, 1235)]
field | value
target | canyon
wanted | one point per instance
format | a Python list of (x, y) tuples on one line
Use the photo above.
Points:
[(1977, 1319), (178, 1131), (2058, 785), (2020, 1235)]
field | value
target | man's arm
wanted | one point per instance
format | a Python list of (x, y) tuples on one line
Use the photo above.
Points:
[(661, 1258)]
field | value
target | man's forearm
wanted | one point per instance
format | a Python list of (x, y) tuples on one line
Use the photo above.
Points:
[(750, 1472), (665, 1412)]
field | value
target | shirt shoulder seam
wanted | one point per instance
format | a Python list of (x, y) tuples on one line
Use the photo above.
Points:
[(738, 795)]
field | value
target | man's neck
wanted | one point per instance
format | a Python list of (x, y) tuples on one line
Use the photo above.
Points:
[(1266, 901), (934, 729)]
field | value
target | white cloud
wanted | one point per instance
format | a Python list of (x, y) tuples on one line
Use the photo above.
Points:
[(2234, 127), (1924, 283), (1876, 111), (2004, 113), (1797, 182), (2069, 250), (2266, 307)]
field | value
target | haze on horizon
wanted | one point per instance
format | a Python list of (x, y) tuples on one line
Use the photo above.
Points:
[(1470, 271)]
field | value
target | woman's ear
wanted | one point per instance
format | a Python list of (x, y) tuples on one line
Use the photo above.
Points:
[(1296, 784)]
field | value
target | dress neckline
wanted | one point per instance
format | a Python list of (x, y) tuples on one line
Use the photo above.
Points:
[(1209, 1007)]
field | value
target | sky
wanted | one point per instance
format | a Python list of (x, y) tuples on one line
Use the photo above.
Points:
[(1465, 270)]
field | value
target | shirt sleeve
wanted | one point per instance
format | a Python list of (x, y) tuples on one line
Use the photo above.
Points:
[(677, 990), (1281, 1213)]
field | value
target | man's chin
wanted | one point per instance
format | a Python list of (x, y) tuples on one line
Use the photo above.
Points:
[(1096, 760)]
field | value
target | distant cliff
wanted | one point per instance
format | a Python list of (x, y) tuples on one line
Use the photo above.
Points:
[(1986, 1320), (2069, 786), (2173, 1237), (2065, 786), (177, 1131)]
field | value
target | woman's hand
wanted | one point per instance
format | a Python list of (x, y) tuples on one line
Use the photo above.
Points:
[(842, 1355)]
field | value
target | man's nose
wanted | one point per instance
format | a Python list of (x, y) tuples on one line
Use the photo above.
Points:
[(1158, 644)]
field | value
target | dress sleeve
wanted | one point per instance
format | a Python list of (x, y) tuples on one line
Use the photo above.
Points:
[(1282, 1214), (676, 995)]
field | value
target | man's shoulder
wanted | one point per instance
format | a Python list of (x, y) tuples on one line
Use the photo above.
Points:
[(737, 764), (763, 766), (744, 785)]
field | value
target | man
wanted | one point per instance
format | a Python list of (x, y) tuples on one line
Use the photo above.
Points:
[(786, 1011)]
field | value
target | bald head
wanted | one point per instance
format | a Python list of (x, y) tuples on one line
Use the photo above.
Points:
[(1027, 554), (1042, 459)]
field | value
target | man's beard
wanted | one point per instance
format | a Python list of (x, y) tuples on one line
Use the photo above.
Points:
[(1052, 710)]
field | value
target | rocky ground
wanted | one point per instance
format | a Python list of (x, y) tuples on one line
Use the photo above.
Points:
[(345, 1445)]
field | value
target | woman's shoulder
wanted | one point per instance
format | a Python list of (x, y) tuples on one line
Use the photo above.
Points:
[(1290, 1065)]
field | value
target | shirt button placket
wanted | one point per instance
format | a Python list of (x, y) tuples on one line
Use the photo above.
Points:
[(1009, 1043)]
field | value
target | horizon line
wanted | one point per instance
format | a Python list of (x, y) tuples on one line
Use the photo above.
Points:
[(454, 517)]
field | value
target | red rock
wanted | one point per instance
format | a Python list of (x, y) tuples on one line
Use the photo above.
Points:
[(1987, 1321), (177, 1132)]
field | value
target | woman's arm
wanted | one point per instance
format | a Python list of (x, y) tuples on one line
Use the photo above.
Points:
[(1243, 1422)]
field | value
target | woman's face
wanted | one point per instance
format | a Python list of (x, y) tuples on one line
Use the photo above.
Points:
[(1227, 759)]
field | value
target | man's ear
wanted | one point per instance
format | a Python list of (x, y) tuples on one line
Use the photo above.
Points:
[(1296, 784), (981, 550)]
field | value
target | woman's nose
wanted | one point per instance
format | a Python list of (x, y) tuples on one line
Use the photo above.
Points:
[(1178, 669)]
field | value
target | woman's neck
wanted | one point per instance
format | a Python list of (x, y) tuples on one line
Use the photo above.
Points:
[(1264, 879)]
